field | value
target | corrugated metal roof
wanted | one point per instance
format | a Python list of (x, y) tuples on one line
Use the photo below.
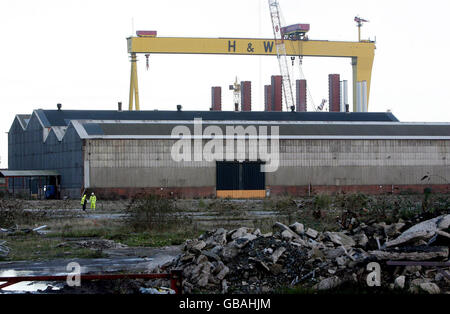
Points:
[(398, 129), (63, 117), (28, 173)]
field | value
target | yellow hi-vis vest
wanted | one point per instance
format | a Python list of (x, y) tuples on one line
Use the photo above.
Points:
[(83, 199)]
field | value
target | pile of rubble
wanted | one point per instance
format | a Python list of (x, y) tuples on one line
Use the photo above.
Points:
[(244, 260), (96, 244)]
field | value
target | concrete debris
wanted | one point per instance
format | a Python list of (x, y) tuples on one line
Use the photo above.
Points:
[(221, 275), (420, 253), (422, 231), (443, 233), (276, 255), (312, 233), (298, 228), (287, 235), (239, 233), (224, 287), (286, 229), (329, 283), (97, 244), (399, 282), (361, 239), (244, 260), (393, 229), (340, 238), (430, 288)]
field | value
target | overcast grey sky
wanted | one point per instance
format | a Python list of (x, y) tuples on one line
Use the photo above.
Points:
[(74, 53)]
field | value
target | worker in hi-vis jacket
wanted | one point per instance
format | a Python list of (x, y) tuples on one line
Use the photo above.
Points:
[(84, 201), (92, 200)]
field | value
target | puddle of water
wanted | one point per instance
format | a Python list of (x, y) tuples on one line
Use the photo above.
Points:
[(26, 286), (58, 268)]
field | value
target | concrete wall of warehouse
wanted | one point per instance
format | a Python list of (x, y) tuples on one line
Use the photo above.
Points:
[(306, 166)]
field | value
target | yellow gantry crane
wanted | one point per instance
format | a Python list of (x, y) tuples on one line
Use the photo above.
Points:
[(146, 42)]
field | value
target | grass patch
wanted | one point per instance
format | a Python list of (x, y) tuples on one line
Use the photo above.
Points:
[(322, 201), (155, 238), (35, 247), (123, 233), (79, 228)]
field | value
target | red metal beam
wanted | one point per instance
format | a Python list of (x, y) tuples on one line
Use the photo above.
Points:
[(418, 263)]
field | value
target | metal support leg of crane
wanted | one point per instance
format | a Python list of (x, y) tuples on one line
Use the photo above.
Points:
[(133, 84), (355, 76)]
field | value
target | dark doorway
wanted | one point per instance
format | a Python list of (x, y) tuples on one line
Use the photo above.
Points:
[(232, 175)]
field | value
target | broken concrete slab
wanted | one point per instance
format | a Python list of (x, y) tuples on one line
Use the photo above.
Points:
[(329, 283), (286, 235), (282, 227), (244, 240), (195, 246), (239, 233), (420, 254), (334, 253), (312, 233), (421, 231), (201, 259), (224, 286), (361, 239), (430, 287), (276, 255), (211, 256), (221, 275), (229, 252), (399, 282), (340, 238), (443, 222), (299, 241), (298, 228)]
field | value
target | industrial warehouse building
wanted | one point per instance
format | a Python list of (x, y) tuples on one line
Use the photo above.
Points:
[(130, 152)]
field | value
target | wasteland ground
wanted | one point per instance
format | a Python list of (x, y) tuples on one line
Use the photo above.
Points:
[(141, 234)]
